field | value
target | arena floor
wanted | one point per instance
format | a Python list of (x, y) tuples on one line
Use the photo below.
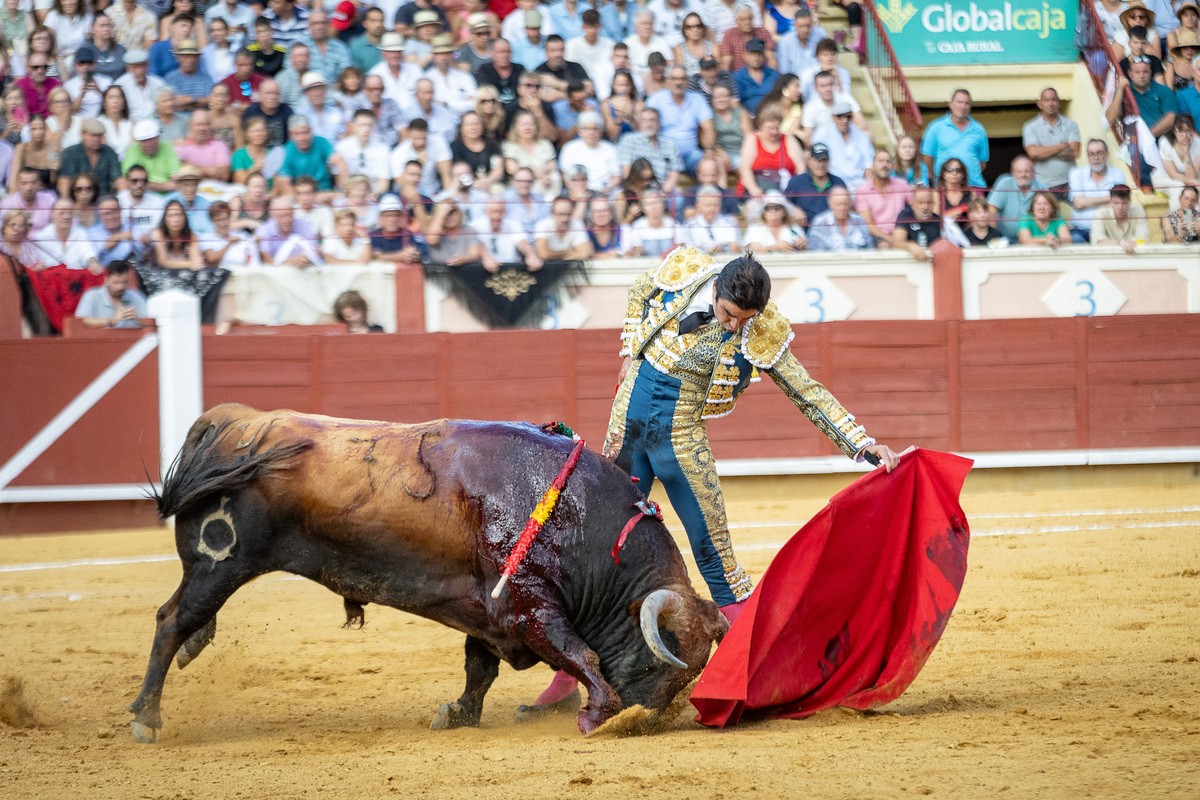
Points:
[(1069, 669)]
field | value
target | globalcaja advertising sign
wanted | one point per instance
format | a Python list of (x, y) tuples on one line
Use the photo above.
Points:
[(955, 32)]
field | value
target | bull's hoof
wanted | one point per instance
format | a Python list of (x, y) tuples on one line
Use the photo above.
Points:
[(568, 704), (144, 733), (452, 715)]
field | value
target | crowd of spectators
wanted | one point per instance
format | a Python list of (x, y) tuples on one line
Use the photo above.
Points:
[(193, 135)]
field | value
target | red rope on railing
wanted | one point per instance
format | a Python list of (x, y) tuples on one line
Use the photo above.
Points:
[(883, 69)]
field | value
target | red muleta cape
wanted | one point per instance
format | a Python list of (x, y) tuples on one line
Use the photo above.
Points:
[(854, 603)]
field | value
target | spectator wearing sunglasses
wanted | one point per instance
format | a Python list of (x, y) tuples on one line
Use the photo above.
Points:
[(1140, 48)]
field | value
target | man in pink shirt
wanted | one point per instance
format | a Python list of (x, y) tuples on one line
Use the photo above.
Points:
[(28, 195), (36, 85), (881, 199), (209, 156)]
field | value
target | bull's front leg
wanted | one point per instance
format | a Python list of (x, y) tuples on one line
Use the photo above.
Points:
[(482, 667), (556, 642)]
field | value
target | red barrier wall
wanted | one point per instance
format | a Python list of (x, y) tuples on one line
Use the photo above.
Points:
[(1002, 385)]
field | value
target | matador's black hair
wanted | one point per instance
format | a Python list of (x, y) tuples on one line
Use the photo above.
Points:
[(745, 283)]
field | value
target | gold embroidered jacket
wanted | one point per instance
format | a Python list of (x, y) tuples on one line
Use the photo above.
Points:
[(725, 364)]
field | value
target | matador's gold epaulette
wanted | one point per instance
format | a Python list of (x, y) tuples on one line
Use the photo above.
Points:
[(765, 338), (683, 267)]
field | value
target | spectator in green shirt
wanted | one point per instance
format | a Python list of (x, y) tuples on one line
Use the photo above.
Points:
[(1043, 225), (156, 156), (306, 154)]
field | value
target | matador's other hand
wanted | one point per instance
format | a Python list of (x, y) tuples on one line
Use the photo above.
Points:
[(887, 458)]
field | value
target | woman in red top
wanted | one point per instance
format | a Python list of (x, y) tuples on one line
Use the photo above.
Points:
[(955, 193), (769, 159)]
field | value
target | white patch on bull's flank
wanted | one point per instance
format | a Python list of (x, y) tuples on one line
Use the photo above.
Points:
[(220, 515)]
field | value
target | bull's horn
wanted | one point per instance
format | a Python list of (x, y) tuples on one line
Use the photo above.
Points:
[(662, 601)]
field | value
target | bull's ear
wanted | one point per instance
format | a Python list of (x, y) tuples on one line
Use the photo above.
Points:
[(635, 609)]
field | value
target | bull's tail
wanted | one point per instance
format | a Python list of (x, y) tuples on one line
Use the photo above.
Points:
[(204, 467)]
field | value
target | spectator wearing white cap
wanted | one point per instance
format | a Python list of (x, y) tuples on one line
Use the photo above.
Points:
[(324, 116), (399, 80), (158, 157), (818, 109), (598, 157), (86, 88), (452, 87), (139, 85), (392, 241), (850, 150), (777, 232), (709, 230)]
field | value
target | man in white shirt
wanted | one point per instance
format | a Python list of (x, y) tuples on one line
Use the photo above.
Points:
[(513, 26), (86, 88), (363, 155), (668, 17), (398, 79), (850, 150), (64, 242), (1091, 187), (431, 152), (818, 109), (710, 231), (453, 88), (560, 238), (827, 61), (142, 210), (591, 51), (441, 121), (326, 118), (504, 242), (598, 157), (643, 42), (140, 87)]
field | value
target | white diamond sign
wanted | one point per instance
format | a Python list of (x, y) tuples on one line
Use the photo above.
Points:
[(1083, 292), (815, 298)]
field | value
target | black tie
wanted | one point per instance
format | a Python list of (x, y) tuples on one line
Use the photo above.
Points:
[(695, 320)]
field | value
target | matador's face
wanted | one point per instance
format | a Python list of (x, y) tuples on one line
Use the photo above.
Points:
[(730, 317)]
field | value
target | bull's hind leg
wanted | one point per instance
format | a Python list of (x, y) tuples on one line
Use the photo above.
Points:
[(192, 608), (482, 668)]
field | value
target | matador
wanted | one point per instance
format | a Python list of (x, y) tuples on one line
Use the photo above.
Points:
[(695, 335)]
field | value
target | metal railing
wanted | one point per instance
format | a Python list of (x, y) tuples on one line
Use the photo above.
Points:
[(897, 105), (1104, 67)]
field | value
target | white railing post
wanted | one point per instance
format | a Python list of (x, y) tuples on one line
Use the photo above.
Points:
[(180, 383)]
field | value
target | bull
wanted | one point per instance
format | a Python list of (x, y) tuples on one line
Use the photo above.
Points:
[(421, 518)]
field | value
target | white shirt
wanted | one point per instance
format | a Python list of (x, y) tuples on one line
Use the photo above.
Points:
[(513, 26), (592, 57), (601, 162), (140, 99), (69, 32), (329, 124), (809, 75), (399, 89), (548, 229), (849, 160), (217, 62), (117, 135), (371, 160), (668, 22), (320, 217), (435, 151), (454, 89), (143, 215), (90, 107), (639, 53), (816, 113), (242, 250), (653, 241), (389, 9), (334, 247), (240, 16), (708, 236), (502, 245), (75, 254), (603, 77), (443, 123), (760, 234), (1084, 184)]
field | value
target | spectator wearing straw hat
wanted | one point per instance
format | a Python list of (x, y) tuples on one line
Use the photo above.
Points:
[(90, 156), (1179, 73), (452, 87), (325, 117), (418, 47), (1188, 15), (195, 205), (1135, 15), (399, 80), (192, 85)]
